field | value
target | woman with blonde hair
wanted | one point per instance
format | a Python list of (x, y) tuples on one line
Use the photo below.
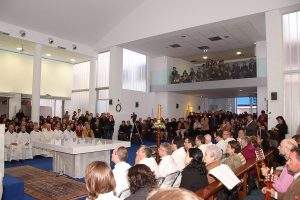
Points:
[(172, 193), (100, 182)]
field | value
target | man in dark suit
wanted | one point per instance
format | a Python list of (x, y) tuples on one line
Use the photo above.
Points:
[(293, 165), (251, 126)]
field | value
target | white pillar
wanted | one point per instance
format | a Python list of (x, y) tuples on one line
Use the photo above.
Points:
[(92, 86), (261, 64), (36, 83), (274, 65), (115, 87), (14, 105)]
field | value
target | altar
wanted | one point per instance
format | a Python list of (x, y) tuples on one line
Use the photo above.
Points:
[(71, 157)]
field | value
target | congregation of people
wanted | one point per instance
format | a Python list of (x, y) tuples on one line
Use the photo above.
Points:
[(215, 70), (190, 158), (193, 148)]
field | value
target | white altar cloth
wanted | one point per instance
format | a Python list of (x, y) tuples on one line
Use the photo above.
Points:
[(71, 157)]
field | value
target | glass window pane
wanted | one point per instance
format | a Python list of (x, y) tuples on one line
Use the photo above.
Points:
[(103, 69), (134, 71)]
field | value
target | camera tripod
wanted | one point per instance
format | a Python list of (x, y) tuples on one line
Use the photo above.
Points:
[(137, 133)]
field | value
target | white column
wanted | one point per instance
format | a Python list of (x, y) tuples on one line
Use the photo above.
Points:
[(14, 105), (115, 87), (274, 65), (36, 83), (92, 86), (261, 64)]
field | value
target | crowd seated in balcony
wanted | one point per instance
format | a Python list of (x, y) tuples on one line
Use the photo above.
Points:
[(215, 70)]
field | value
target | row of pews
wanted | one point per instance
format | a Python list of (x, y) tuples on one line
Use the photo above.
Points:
[(249, 169)]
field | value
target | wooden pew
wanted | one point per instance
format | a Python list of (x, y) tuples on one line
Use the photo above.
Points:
[(210, 191)]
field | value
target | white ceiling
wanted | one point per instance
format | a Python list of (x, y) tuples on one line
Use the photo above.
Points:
[(84, 21), (11, 44), (242, 34)]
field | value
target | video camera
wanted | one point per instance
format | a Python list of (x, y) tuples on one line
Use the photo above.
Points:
[(133, 116)]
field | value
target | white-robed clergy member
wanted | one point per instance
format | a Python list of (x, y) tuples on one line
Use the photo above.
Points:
[(120, 171), (179, 153), (167, 165), (37, 136), (69, 134), (144, 156), (13, 146), (26, 144), (57, 133)]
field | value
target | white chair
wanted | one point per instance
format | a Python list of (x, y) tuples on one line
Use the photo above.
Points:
[(170, 180)]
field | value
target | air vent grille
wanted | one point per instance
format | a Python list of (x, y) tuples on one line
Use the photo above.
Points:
[(174, 45), (216, 38)]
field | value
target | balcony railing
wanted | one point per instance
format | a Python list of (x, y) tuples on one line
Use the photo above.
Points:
[(212, 71)]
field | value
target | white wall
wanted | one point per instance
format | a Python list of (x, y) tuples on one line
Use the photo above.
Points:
[(16, 75), (2, 129), (148, 101), (159, 71), (274, 65), (158, 17)]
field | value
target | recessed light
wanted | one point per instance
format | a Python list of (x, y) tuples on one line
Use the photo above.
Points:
[(238, 53), (241, 90), (204, 57), (255, 43), (48, 54), (19, 49), (72, 60)]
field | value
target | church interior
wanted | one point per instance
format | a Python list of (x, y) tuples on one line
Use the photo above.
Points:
[(149, 100)]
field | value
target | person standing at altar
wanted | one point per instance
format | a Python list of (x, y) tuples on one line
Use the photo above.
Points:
[(26, 144), (12, 145), (69, 134), (87, 131), (36, 136), (167, 165), (57, 133), (119, 157)]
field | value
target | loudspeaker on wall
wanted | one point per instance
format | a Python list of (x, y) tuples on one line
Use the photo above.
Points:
[(177, 105), (273, 95), (110, 102), (136, 104)]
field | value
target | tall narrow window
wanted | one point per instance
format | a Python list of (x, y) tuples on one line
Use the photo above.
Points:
[(80, 90), (134, 71), (103, 69), (291, 61)]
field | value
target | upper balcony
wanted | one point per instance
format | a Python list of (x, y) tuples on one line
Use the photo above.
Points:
[(214, 71)]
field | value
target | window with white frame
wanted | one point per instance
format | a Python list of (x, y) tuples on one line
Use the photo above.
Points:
[(291, 61), (80, 89), (134, 71), (103, 69)]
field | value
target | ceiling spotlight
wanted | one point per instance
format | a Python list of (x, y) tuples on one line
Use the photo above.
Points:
[(238, 53), (22, 33), (204, 57), (19, 48), (48, 54), (241, 90), (50, 40), (74, 47), (255, 43), (72, 60), (183, 36)]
